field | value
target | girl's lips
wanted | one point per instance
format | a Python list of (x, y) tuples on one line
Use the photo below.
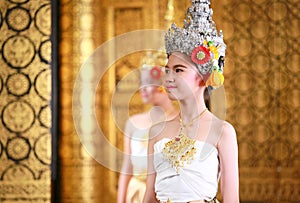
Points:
[(144, 95), (170, 87)]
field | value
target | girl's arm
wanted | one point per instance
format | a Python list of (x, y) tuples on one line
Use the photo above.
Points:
[(126, 172), (228, 153), (150, 196)]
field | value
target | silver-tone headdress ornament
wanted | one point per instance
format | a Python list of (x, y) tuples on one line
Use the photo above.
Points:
[(199, 40)]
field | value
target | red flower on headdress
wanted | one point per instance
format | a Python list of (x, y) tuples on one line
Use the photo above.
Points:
[(200, 55), (155, 72)]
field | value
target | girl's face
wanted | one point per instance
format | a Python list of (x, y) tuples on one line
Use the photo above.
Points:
[(148, 88), (181, 77), (148, 93)]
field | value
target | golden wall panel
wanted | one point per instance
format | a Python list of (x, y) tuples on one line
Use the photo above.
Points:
[(25, 95), (262, 95)]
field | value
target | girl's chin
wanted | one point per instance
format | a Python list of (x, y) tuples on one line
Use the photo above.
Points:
[(172, 96), (145, 100)]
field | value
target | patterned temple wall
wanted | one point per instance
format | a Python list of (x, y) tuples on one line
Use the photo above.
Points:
[(263, 95), (25, 95)]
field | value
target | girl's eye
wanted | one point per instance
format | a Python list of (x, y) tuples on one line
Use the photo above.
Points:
[(166, 70), (177, 70)]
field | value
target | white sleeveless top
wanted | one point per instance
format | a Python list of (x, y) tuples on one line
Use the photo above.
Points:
[(139, 148), (197, 180)]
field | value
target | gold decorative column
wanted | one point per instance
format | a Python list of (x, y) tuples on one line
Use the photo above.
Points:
[(25, 95), (80, 176)]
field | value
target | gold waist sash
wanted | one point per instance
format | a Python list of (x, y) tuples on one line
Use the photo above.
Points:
[(214, 200), (136, 190)]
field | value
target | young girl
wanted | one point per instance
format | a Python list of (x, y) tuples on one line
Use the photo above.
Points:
[(132, 180), (188, 155)]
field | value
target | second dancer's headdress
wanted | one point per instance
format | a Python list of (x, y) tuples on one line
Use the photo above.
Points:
[(152, 62)]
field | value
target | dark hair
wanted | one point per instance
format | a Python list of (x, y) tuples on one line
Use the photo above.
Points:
[(206, 96)]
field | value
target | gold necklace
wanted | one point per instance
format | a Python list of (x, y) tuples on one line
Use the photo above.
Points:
[(193, 120), (181, 149)]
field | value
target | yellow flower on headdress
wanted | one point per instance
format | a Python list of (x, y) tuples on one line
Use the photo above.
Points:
[(215, 52), (213, 49), (216, 78)]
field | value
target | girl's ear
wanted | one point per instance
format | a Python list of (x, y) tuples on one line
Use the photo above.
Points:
[(201, 80), (202, 83)]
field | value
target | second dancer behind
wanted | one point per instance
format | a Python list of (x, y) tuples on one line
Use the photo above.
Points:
[(132, 180)]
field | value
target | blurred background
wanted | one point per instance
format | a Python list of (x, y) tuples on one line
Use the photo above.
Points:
[(44, 43)]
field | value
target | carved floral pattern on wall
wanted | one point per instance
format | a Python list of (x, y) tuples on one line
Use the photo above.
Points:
[(25, 95)]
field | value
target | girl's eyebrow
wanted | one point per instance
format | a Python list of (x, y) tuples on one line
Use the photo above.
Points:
[(177, 66)]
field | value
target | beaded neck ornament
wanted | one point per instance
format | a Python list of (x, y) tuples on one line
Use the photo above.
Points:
[(199, 40), (181, 149)]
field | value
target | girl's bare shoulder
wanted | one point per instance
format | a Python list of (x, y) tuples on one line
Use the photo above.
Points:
[(165, 129)]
